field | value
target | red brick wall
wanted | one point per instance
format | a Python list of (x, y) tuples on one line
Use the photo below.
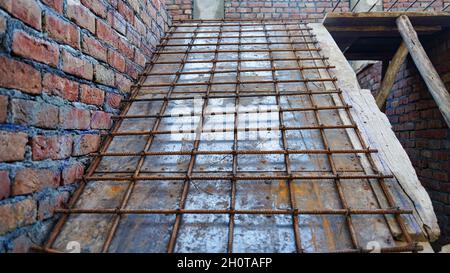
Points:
[(310, 11), (180, 9), (420, 126), (65, 65)]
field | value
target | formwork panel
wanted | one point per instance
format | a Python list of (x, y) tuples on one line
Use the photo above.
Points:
[(233, 141)]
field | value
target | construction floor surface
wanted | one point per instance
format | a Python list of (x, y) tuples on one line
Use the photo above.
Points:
[(233, 142)]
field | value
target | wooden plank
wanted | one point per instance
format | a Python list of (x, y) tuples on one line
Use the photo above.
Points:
[(379, 30), (425, 67), (429, 18), (391, 73)]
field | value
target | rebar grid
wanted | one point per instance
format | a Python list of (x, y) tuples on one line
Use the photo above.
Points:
[(236, 175)]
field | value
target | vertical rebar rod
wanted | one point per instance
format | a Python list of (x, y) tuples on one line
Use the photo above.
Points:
[(373, 165), (149, 142), (235, 147), (187, 181), (287, 161), (337, 181)]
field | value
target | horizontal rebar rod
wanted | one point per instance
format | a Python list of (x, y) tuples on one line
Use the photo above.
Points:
[(236, 177), (237, 37), (232, 82), (236, 51), (244, 44), (240, 152), (236, 70), (230, 60), (237, 31), (217, 113), (255, 94), (408, 248), (228, 211), (236, 25), (224, 130)]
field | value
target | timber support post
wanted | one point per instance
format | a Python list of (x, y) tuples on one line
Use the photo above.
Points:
[(429, 74)]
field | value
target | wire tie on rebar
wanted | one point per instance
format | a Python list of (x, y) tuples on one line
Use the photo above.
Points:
[(348, 212)]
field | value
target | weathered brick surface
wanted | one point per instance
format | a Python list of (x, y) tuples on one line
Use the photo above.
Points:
[(92, 95), (62, 87), (17, 214), (74, 118), (5, 184), (62, 31), (28, 112), (81, 15), (51, 147), (72, 173), (19, 75), (59, 87), (28, 11), (77, 66), (34, 48), (31, 180), (85, 144), (419, 125), (12, 145), (101, 120)]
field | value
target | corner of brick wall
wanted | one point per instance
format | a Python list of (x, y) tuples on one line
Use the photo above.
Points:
[(419, 125), (65, 66)]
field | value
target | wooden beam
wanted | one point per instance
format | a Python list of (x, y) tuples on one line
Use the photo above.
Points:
[(425, 67), (391, 73)]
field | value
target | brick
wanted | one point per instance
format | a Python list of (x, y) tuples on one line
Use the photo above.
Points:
[(113, 100), (19, 76), (62, 31), (12, 146), (17, 214), (76, 66), (31, 180), (117, 22), (27, 112), (28, 11), (140, 58), (62, 87), (51, 147), (97, 7), (104, 75), (93, 47), (3, 108), (123, 83), (132, 70), (57, 5), (92, 95), (81, 15), (74, 118), (101, 120), (5, 185), (36, 49), (125, 48), (106, 34), (72, 173), (126, 12), (116, 60), (49, 203), (85, 144)]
